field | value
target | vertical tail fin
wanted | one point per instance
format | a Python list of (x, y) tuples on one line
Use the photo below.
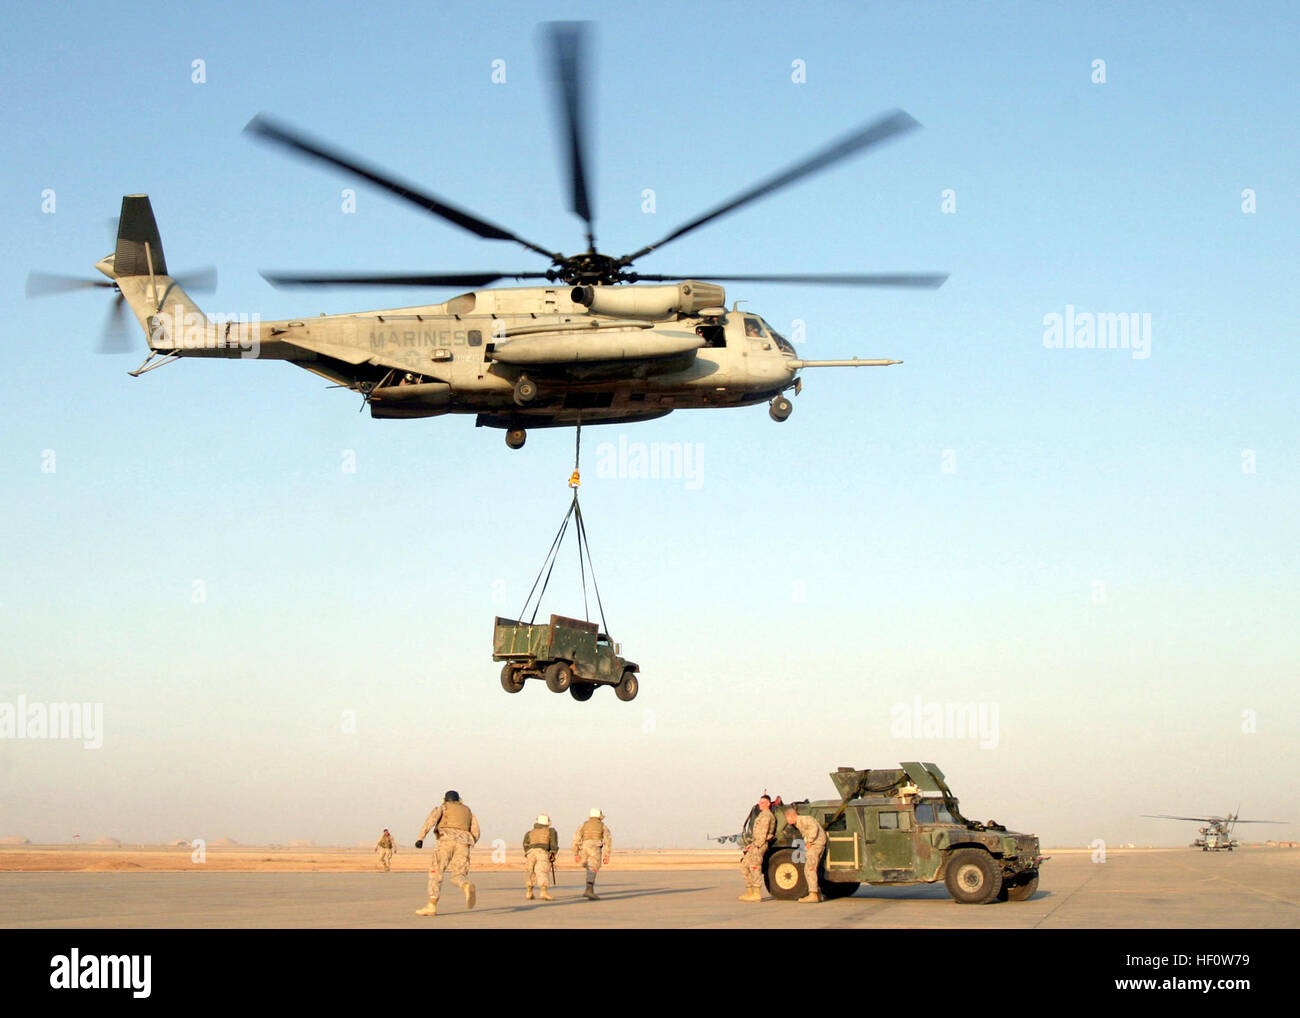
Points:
[(139, 268)]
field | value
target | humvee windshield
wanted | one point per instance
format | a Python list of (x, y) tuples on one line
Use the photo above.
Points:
[(933, 813)]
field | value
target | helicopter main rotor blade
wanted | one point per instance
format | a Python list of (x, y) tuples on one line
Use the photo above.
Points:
[(923, 280), (115, 337), (567, 41), (1199, 820), (380, 279), (872, 134), (45, 284), (262, 127)]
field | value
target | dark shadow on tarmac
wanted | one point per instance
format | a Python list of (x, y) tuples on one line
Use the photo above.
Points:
[(606, 895)]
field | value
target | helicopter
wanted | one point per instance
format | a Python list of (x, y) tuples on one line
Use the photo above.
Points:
[(595, 342), (1217, 836)]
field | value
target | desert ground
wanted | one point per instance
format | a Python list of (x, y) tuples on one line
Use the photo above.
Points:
[(239, 886)]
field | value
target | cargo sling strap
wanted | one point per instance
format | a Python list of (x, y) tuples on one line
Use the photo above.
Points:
[(585, 563)]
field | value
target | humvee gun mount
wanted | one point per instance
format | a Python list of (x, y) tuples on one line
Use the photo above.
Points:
[(896, 827), (566, 653)]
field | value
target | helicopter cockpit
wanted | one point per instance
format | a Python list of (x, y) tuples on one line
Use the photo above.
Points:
[(758, 329)]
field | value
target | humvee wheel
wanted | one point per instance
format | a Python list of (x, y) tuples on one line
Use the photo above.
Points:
[(784, 877), (627, 687), (582, 691), (558, 677), (837, 889), (1022, 890), (511, 680), (973, 877)]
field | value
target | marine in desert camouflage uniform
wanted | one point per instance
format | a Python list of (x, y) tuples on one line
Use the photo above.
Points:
[(456, 828), (592, 842), (751, 863), (385, 847), (814, 844), (541, 845)]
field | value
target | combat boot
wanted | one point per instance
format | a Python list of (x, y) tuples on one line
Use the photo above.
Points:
[(429, 909), (471, 895), (546, 895), (751, 895), (811, 896), (528, 894), (590, 892)]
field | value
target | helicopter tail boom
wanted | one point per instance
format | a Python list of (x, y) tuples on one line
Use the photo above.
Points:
[(168, 315)]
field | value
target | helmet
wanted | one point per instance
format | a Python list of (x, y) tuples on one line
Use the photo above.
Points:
[(543, 819), (596, 814), (451, 797)]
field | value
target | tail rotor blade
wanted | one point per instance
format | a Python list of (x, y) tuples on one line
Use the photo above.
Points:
[(115, 337), (46, 284), (202, 280)]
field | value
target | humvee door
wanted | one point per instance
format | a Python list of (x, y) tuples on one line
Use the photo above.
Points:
[(890, 834), (844, 848)]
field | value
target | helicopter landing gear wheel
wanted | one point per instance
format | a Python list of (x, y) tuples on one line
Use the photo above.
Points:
[(516, 437), (780, 409), (525, 391)]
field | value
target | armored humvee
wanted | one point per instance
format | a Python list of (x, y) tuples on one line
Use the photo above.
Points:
[(566, 653), (901, 826)]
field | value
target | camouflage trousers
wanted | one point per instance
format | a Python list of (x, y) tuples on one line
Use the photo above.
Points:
[(386, 858), (589, 856), (537, 868), (448, 854), (751, 864), (812, 856)]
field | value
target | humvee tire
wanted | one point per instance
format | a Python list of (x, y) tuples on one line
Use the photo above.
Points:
[(627, 687), (973, 877), (581, 691), (1022, 890), (838, 888), (784, 877), (511, 680), (558, 677)]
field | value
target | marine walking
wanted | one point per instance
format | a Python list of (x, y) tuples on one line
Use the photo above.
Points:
[(592, 844), (541, 845)]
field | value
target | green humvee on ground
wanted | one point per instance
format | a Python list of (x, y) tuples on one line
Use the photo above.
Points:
[(567, 653), (881, 832)]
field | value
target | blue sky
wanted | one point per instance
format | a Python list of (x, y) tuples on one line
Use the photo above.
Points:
[(1096, 559)]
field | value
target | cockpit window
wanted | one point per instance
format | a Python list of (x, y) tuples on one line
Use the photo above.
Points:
[(781, 342), (754, 328)]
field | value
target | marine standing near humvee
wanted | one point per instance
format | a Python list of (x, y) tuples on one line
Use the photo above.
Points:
[(592, 840), (385, 847), (814, 844), (456, 828), (751, 863), (541, 845)]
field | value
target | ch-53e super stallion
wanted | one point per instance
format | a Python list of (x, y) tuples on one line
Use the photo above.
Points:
[(593, 344), (1216, 836)]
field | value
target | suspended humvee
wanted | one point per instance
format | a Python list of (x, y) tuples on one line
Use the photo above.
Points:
[(567, 653), (900, 826)]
